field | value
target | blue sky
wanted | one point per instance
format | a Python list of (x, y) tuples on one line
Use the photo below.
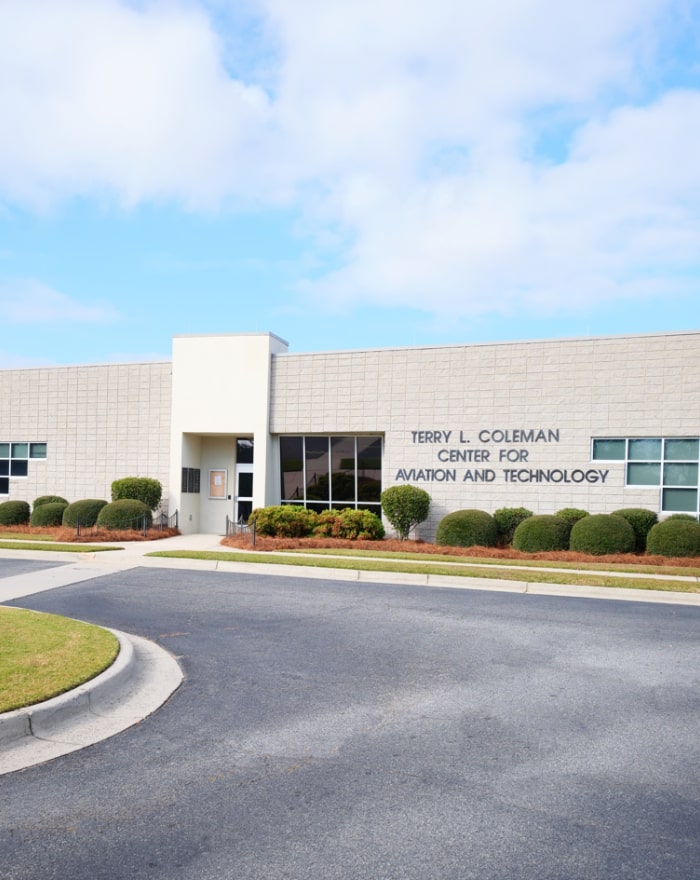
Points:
[(345, 175)]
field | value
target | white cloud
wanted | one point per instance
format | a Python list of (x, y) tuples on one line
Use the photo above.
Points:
[(12, 361), (514, 156), (620, 219), (100, 97), (27, 301)]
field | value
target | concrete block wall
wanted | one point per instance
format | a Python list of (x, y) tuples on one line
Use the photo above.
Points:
[(635, 386), (100, 423)]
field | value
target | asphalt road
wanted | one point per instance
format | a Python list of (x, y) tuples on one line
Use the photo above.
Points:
[(335, 730)]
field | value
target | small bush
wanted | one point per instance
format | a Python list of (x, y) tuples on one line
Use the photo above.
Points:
[(283, 521), (542, 533), (641, 521), (405, 507), (48, 514), (674, 537), (125, 514), (86, 510), (571, 514), (349, 524), (48, 499), (507, 521), (467, 528), (601, 534), (144, 489), (14, 513), (685, 516)]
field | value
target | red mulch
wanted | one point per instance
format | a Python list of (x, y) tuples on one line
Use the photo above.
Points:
[(263, 544), (89, 536)]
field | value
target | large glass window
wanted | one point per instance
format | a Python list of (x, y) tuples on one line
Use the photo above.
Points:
[(292, 469), (670, 463), (317, 473), (14, 460), (331, 471)]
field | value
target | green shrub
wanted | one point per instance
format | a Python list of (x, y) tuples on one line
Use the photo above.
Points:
[(128, 513), (674, 537), (571, 514), (467, 528), (144, 489), (14, 513), (542, 533), (349, 524), (48, 499), (405, 507), (283, 521), (507, 521), (48, 514), (602, 533), (641, 521), (685, 516), (85, 510)]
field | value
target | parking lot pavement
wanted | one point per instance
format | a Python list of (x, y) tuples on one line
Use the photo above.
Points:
[(335, 729)]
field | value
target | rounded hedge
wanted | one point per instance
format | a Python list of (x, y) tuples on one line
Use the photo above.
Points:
[(405, 507), (542, 533), (48, 499), (14, 513), (86, 510), (283, 521), (571, 514), (507, 521), (601, 534), (144, 489), (349, 524), (641, 521), (467, 528), (49, 513), (674, 537), (127, 514)]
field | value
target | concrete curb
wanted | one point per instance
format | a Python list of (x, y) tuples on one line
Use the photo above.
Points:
[(140, 680)]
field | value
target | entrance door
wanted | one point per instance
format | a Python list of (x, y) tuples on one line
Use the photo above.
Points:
[(243, 498)]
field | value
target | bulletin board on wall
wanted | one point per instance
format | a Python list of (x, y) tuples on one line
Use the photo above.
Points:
[(217, 483)]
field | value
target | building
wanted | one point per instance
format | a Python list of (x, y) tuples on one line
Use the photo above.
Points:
[(237, 421)]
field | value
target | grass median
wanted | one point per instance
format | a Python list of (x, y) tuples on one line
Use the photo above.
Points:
[(44, 655), (487, 569)]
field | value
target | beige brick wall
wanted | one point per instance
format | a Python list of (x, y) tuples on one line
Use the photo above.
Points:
[(100, 423), (584, 388)]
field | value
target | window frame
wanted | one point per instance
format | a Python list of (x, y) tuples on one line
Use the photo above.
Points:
[(303, 500)]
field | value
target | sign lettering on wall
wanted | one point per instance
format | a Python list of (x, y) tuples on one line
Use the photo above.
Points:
[(504, 454)]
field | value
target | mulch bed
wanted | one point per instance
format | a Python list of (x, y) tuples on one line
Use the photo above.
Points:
[(264, 544), (270, 545), (65, 535)]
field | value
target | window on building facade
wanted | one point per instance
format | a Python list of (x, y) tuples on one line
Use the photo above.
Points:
[(14, 460), (671, 463), (191, 479), (320, 472)]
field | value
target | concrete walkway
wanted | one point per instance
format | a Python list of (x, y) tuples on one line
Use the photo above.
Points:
[(145, 675)]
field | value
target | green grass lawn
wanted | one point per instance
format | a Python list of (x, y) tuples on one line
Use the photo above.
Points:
[(33, 536), (42, 543), (506, 570), (43, 655)]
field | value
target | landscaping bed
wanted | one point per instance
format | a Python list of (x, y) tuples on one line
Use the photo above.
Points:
[(91, 535), (388, 545)]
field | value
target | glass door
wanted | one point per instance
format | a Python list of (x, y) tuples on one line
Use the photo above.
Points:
[(243, 499)]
